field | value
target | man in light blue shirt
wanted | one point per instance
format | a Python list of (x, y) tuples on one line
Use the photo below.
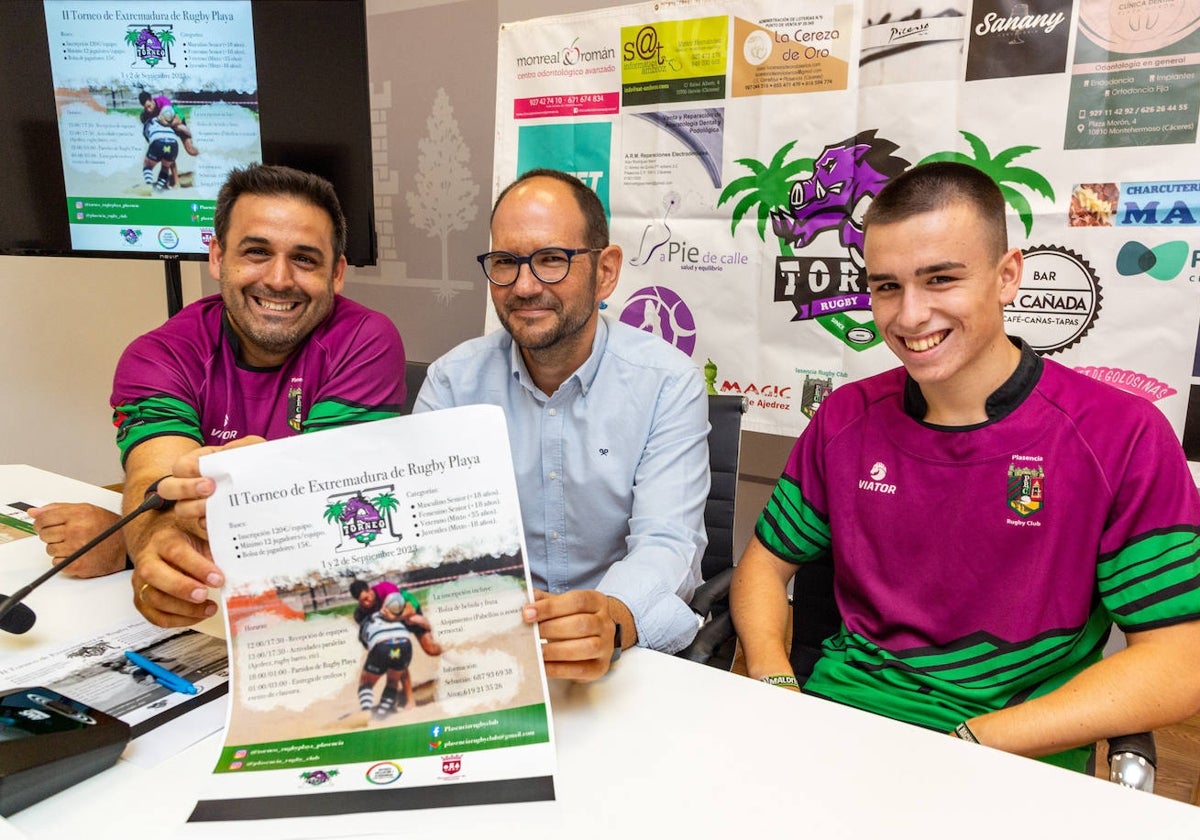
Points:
[(608, 427)]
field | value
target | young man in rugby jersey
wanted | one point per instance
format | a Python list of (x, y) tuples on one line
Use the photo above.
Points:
[(988, 513)]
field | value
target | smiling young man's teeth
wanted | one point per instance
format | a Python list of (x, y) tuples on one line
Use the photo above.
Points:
[(918, 345)]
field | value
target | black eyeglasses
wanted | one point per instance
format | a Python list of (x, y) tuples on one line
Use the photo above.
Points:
[(549, 265)]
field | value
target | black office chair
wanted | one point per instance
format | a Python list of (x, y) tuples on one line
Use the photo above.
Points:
[(414, 378), (1131, 758), (716, 642)]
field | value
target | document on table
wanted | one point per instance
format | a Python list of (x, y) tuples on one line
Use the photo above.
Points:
[(15, 522), (94, 671), (425, 504)]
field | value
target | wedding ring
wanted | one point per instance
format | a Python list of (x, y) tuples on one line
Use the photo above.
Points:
[(142, 593)]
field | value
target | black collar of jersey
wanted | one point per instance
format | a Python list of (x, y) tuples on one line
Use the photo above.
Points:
[(235, 344), (1002, 402)]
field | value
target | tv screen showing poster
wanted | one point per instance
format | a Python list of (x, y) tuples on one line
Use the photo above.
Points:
[(156, 103)]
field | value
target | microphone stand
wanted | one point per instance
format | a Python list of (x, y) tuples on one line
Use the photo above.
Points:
[(153, 501)]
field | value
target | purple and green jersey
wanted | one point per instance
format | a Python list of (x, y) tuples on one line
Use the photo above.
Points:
[(184, 379), (975, 568)]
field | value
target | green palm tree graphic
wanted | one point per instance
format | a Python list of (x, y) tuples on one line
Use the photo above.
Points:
[(334, 511), (998, 168), (769, 186), (385, 503)]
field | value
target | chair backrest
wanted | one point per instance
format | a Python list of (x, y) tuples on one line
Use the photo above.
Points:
[(414, 378), (815, 615), (715, 643), (724, 449)]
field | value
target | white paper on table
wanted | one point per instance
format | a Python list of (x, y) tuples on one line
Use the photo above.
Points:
[(428, 502), (94, 671)]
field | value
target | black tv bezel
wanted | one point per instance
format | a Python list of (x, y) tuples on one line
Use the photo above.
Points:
[(307, 51)]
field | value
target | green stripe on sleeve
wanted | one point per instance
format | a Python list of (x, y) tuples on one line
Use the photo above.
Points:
[(790, 527), (154, 417), (329, 414)]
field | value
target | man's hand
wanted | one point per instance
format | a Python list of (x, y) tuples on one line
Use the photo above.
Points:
[(67, 527), (173, 567), (190, 490), (173, 570), (577, 628)]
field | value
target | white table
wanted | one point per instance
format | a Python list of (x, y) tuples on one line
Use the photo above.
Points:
[(23, 560), (667, 748)]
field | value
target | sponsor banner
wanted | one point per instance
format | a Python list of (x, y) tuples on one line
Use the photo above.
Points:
[(739, 209)]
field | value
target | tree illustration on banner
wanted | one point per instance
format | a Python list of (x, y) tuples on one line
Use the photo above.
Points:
[(998, 168), (768, 186), (444, 199)]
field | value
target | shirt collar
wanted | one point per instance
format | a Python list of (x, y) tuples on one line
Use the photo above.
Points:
[(585, 375), (235, 344), (1002, 402)]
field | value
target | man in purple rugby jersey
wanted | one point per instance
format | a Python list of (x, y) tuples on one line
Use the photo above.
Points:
[(278, 352)]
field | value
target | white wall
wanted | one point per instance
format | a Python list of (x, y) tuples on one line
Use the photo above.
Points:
[(63, 324)]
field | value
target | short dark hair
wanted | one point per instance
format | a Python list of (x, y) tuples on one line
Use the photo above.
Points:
[(260, 179), (143, 97), (595, 222), (357, 587), (932, 186)]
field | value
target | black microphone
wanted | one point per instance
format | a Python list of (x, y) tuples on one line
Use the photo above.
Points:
[(15, 617)]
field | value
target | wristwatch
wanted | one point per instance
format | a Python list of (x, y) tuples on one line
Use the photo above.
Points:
[(616, 654)]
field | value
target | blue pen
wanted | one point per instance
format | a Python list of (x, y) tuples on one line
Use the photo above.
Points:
[(161, 675)]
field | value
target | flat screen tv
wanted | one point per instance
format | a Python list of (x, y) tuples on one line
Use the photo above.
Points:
[(119, 119)]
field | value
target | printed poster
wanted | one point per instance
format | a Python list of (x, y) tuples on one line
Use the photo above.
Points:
[(428, 691), (157, 102), (737, 145)]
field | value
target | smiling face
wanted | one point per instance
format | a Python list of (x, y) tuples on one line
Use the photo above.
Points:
[(938, 289), (277, 274), (550, 320)]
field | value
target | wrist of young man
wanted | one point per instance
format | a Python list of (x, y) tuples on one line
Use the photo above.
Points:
[(786, 681), (963, 732)]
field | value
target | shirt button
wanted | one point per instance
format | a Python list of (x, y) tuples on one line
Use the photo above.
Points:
[(553, 475), (554, 535), (554, 412)]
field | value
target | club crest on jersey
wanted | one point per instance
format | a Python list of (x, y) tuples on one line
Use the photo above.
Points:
[(1026, 489), (295, 404)]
